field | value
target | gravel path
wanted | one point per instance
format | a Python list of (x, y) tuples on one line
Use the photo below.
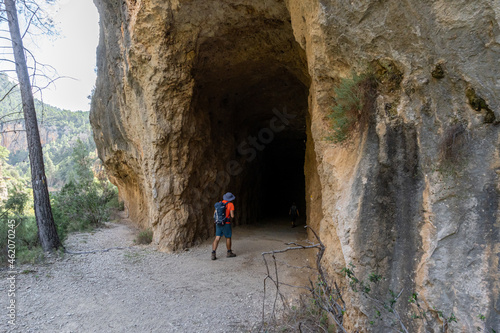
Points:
[(138, 289)]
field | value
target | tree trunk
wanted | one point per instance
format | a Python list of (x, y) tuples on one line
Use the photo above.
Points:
[(45, 221)]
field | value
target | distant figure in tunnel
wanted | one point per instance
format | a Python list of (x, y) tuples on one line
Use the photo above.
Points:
[(294, 212), (225, 230)]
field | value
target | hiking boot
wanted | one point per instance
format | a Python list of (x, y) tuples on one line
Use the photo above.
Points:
[(213, 256), (230, 254)]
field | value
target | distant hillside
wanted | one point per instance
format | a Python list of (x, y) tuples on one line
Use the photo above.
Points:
[(59, 131), (54, 123)]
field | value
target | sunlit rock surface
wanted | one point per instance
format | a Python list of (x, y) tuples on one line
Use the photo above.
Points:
[(196, 98)]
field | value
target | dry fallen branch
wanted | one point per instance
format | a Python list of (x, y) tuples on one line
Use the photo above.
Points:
[(97, 251), (325, 297)]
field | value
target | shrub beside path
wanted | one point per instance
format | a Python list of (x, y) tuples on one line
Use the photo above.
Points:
[(139, 289)]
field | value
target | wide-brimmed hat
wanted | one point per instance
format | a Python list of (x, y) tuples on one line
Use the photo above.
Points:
[(228, 196)]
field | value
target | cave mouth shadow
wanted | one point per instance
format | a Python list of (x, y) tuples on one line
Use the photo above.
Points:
[(250, 108)]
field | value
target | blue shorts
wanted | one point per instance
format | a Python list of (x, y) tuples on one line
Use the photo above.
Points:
[(224, 230)]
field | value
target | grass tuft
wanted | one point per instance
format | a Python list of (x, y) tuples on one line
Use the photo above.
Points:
[(354, 101), (144, 237)]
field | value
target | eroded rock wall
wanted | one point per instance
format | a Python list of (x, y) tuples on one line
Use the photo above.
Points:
[(180, 86), (412, 196), (415, 196)]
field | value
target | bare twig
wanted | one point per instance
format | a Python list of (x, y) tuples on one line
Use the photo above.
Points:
[(8, 60), (292, 266), (7, 94), (9, 114), (327, 298), (15, 131), (13, 121), (29, 23)]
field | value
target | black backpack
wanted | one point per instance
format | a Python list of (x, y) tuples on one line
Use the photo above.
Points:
[(220, 213)]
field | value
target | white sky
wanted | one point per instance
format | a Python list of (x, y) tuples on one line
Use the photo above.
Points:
[(72, 53)]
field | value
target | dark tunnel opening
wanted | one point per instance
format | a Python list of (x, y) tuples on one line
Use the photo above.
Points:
[(283, 181), (251, 102)]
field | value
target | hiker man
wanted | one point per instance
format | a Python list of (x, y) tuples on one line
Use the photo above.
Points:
[(294, 212), (225, 230)]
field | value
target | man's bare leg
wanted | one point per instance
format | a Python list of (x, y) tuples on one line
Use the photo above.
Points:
[(230, 253), (216, 243)]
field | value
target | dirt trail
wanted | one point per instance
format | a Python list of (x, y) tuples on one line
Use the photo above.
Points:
[(139, 289)]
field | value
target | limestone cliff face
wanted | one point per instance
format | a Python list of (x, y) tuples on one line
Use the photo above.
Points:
[(14, 139), (195, 98)]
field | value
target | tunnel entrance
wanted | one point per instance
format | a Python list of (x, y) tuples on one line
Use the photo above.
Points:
[(283, 181), (250, 106)]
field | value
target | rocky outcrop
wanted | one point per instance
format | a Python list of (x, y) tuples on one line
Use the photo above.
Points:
[(195, 98), (14, 136)]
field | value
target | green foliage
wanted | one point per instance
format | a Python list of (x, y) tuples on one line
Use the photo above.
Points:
[(14, 208), (352, 95), (348, 102), (413, 298), (439, 312), (145, 237), (75, 208), (18, 208), (60, 131), (373, 277), (28, 247), (4, 155), (115, 202), (388, 306), (84, 202), (17, 157), (478, 103), (306, 315), (31, 256), (82, 163), (348, 272), (16, 200), (356, 284), (388, 75)]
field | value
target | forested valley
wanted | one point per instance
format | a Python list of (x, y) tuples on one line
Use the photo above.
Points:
[(81, 195)]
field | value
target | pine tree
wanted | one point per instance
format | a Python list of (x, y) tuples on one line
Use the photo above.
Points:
[(47, 233)]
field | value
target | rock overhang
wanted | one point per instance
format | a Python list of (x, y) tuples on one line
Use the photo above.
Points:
[(177, 79)]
